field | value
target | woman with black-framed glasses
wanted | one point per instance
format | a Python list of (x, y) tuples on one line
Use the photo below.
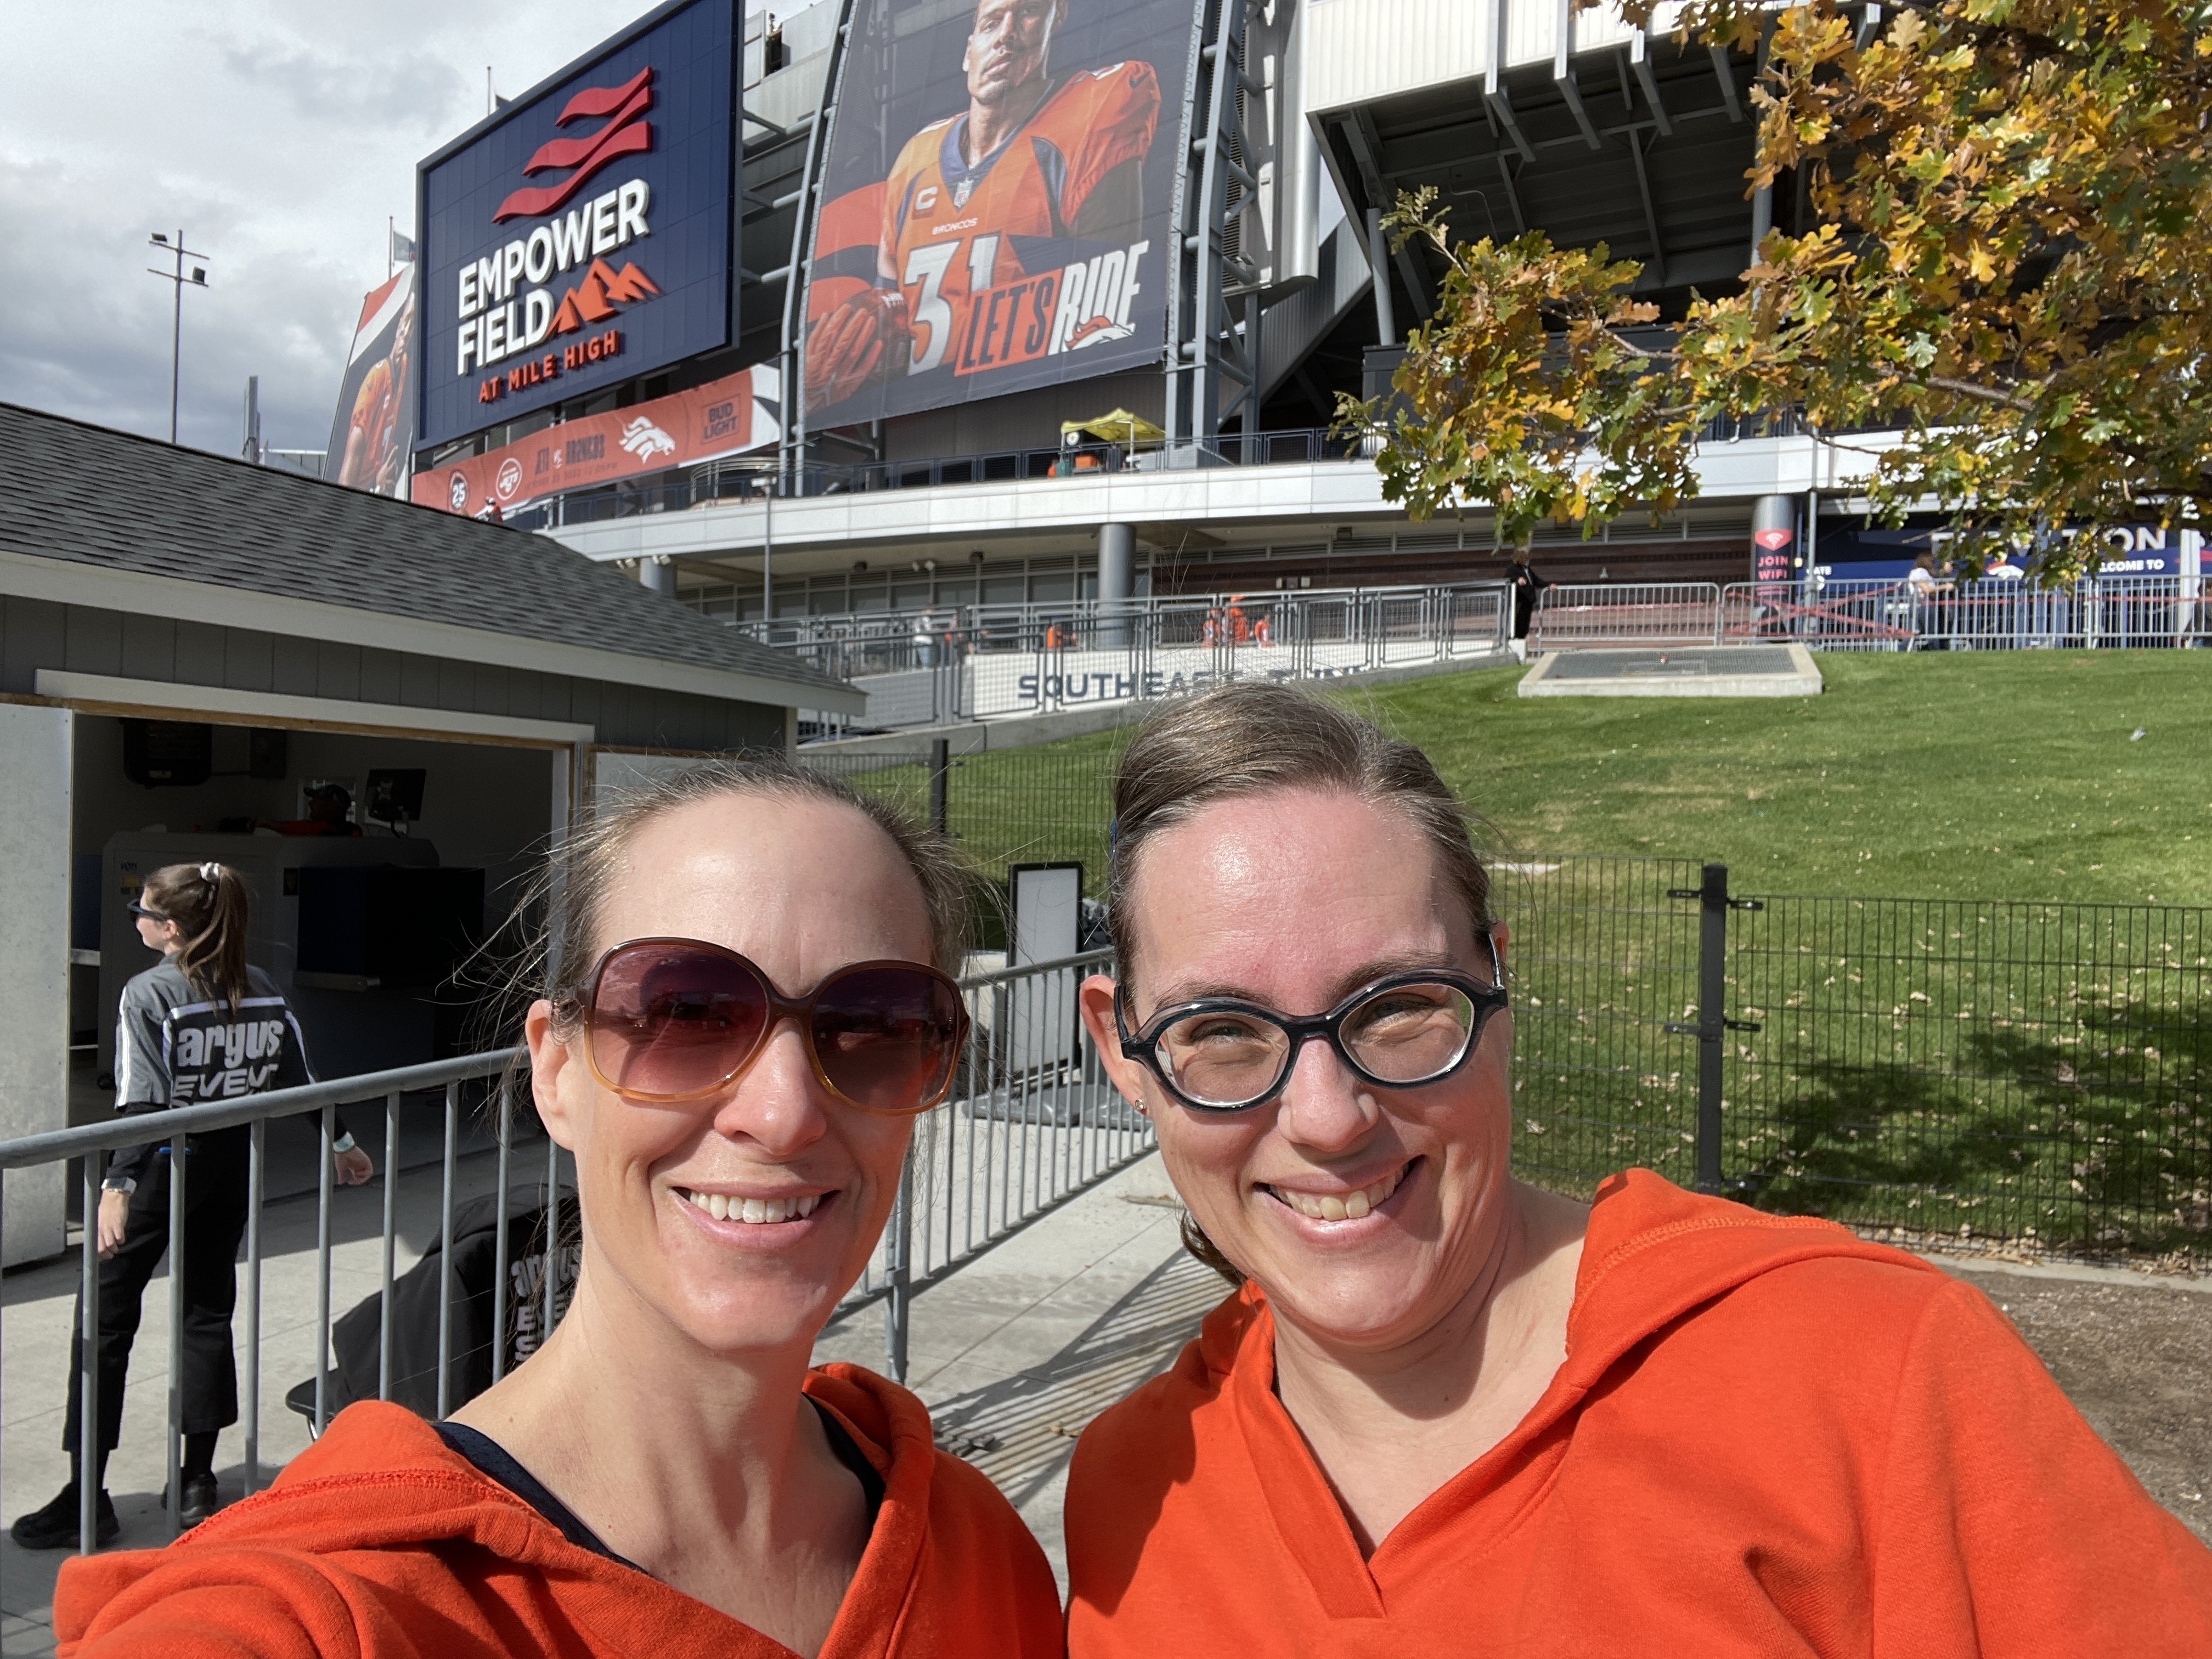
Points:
[(746, 1012), (1447, 1411)]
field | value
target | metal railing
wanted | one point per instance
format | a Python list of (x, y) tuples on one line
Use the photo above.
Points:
[(173, 1127), (1833, 614), (1024, 624), (2098, 613), (1043, 659), (1033, 1124), (1616, 615)]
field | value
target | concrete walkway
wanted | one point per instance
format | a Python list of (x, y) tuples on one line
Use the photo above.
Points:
[(1014, 1354)]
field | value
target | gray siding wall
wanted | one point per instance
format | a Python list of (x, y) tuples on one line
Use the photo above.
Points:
[(37, 634)]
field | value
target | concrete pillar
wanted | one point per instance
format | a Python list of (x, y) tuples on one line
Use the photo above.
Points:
[(658, 574), (1774, 539), (1117, 582)]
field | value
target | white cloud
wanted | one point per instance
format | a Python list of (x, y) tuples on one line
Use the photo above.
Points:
[(279, 137)]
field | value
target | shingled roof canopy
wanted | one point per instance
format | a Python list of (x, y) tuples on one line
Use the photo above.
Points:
[(91, 495)]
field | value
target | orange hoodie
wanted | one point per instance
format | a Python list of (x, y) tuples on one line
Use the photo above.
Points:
[(378, 1540), (1768, 1438)]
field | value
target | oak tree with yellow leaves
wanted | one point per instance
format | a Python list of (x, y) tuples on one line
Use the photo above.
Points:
[(2009, 270)]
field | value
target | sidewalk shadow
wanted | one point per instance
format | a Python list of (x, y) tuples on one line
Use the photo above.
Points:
[(27, 1577), (1021, 1430)]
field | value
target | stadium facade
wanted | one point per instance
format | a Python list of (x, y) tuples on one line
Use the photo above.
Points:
[(820, 292)]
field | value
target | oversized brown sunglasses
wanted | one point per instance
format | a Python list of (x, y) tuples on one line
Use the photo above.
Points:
[(677, 1019)]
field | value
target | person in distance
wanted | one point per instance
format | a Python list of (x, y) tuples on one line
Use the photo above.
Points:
[(1447, 1413), (747, 1008), (202, 1024)]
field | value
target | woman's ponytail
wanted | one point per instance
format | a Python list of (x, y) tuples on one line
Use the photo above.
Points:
[(208, 902)]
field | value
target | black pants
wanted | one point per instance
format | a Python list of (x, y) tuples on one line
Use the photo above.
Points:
[(215, 1219)]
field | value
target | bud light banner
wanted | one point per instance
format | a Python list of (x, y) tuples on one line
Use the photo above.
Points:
[(728, 416), (581, 237), (996, 200)]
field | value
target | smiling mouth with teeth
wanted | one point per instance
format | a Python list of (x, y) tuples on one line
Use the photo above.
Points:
[(1341, 1207), (757, 1211)]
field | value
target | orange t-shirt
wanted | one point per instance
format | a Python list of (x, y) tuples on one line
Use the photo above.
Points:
[(378, 1540), (1768, 1438)]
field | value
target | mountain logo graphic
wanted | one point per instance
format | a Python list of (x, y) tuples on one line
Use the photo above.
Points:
[(645, 440), (626, 133), (600, 295)]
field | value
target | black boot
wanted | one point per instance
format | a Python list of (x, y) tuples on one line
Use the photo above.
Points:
[(55, 1526), (197, 1477)]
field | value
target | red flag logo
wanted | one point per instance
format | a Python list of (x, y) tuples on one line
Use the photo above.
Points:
[(624, 134)]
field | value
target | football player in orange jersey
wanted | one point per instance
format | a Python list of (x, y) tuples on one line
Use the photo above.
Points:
[(372, 458), (1035, 156)]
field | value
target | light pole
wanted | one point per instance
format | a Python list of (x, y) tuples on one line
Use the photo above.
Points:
[(197, 279)]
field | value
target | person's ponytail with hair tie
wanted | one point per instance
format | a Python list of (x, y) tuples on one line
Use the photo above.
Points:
[(209, 904)]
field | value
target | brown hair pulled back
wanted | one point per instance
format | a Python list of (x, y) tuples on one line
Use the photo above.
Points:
[(583, 871), (1249, 740), (208, 902)]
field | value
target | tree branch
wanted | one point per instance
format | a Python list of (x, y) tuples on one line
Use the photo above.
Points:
[(1969, 389)]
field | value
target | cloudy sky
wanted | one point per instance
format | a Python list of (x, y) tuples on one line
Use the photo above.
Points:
[(279, 134)]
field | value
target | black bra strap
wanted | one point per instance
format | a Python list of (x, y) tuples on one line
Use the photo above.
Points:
[(493, 1460)]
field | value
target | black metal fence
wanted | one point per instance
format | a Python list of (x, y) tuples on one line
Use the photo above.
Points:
[(1042, 805), (1602, 963), (2036, 1074)]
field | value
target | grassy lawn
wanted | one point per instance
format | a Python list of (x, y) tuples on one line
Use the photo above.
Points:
[(1999, 774), (2010, 774)]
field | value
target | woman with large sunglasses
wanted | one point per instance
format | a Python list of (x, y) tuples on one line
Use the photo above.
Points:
[(745, 1010), (1448, 1413)]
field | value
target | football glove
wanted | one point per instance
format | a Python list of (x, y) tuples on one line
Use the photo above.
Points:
[(863, 340)]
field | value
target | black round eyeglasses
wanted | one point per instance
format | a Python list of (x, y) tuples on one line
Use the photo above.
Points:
[(1218, 1054)]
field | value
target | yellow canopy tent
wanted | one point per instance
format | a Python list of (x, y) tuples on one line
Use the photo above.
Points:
[(1119, 428)]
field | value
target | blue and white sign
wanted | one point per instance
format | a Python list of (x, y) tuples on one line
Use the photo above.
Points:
[(582, 236), (2138, 550)]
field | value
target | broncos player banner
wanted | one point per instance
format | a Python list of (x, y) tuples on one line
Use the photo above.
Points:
[(995, 201), (375, 425)]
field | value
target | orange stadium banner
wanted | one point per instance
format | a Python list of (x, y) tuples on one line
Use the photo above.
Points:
[(728, 416), (997, 191), (374, 428)]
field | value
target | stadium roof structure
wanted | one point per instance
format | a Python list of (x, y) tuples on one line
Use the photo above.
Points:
[(1576, 124), (86, 500)]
